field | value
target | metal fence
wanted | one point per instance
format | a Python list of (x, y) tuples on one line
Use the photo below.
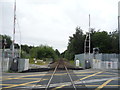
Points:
[(99, 61), (14, 65)]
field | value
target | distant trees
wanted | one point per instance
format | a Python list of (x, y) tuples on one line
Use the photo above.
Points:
[(75, 44), (8, 41), (39, 52), (57, 53), (42, 52), (106, 42)]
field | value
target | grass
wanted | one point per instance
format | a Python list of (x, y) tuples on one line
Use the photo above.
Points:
[(72, 62), (9, 71), (31, 61)]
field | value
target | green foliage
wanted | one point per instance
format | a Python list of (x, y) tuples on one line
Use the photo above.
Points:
[(26, 48), (24, 54), (106, 42), (57, 53), (8, 41), (75, 44), (41, 52), (72, 62)]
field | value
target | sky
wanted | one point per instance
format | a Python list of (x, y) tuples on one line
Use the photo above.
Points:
[(51, 22)]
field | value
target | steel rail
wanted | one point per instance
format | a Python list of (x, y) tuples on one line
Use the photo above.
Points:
[(72, 82), (48, 84)]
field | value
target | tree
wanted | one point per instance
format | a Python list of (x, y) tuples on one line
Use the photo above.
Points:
[(57, 52), (25, 48), (75, 44), (42, 52), (8, 41), (106, 42), (114, 39)]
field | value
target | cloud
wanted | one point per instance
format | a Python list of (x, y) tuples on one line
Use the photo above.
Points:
[(51, 22)]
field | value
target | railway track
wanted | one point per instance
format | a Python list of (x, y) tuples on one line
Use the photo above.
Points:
[(60, 63), (60, 67)]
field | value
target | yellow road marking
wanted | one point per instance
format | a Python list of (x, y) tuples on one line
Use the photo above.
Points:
[(78, 80), (104, 75), (59, 87), (24, 78), (112, 85), (19, 77), (84, 72), (21, 84), (98, 85), (46, 74), (90, 76), (7, 84), (24, 84), (104, 84), (61, 74), (96, 75)]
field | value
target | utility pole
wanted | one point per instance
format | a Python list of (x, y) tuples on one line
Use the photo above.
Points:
[(119, 33), (13, 51), (89, 34), (20, 45), (87, 45), (87, 41)]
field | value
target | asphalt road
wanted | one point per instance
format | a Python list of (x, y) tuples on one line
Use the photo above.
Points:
[(85, 79)]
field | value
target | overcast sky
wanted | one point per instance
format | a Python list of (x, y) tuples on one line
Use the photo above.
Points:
[(51, 22)]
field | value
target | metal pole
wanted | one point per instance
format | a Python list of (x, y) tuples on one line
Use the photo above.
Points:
[(14, 30), (20, 45), (89, 34), (20, 38), (119, 34), (119, 43)]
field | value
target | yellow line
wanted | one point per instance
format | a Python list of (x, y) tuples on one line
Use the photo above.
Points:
[(84, 72), (104, 84), (19, 77), (23, 84), (7, 84), (105, 75), (90, 75), (58, 87), (98, 85), (24, 78), (112, 85), (96, 75), (78, 80)]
